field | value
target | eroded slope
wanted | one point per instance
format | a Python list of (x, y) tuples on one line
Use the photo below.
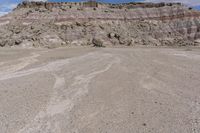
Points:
[(61, 24)]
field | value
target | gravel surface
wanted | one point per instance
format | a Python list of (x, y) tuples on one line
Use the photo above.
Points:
[(108, 90)]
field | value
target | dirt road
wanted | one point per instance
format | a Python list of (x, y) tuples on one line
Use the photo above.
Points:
[(82, 90)]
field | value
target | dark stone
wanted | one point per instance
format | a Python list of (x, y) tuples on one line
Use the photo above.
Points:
[(144, 124), (17, 42)]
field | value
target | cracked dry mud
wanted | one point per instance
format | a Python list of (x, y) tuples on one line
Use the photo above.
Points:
[(111, 90)]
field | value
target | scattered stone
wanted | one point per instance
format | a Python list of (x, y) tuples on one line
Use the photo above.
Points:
[(78, 24), (144, 124), (101, 27)]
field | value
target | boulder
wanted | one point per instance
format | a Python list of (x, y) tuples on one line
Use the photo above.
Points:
[(111, 35), (97, 42), (117, 36), (18, 41), (2, 43)]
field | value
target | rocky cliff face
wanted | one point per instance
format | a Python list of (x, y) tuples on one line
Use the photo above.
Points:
[(59, 24)]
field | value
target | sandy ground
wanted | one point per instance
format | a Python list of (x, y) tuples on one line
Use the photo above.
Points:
[(109, 90)]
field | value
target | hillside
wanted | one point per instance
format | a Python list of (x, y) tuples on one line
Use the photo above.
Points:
[(37, 24)]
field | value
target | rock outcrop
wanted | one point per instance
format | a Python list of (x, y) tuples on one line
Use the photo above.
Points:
[(39, 24)]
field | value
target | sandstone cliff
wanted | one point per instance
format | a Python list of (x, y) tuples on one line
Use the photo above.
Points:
[(59, 24)]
